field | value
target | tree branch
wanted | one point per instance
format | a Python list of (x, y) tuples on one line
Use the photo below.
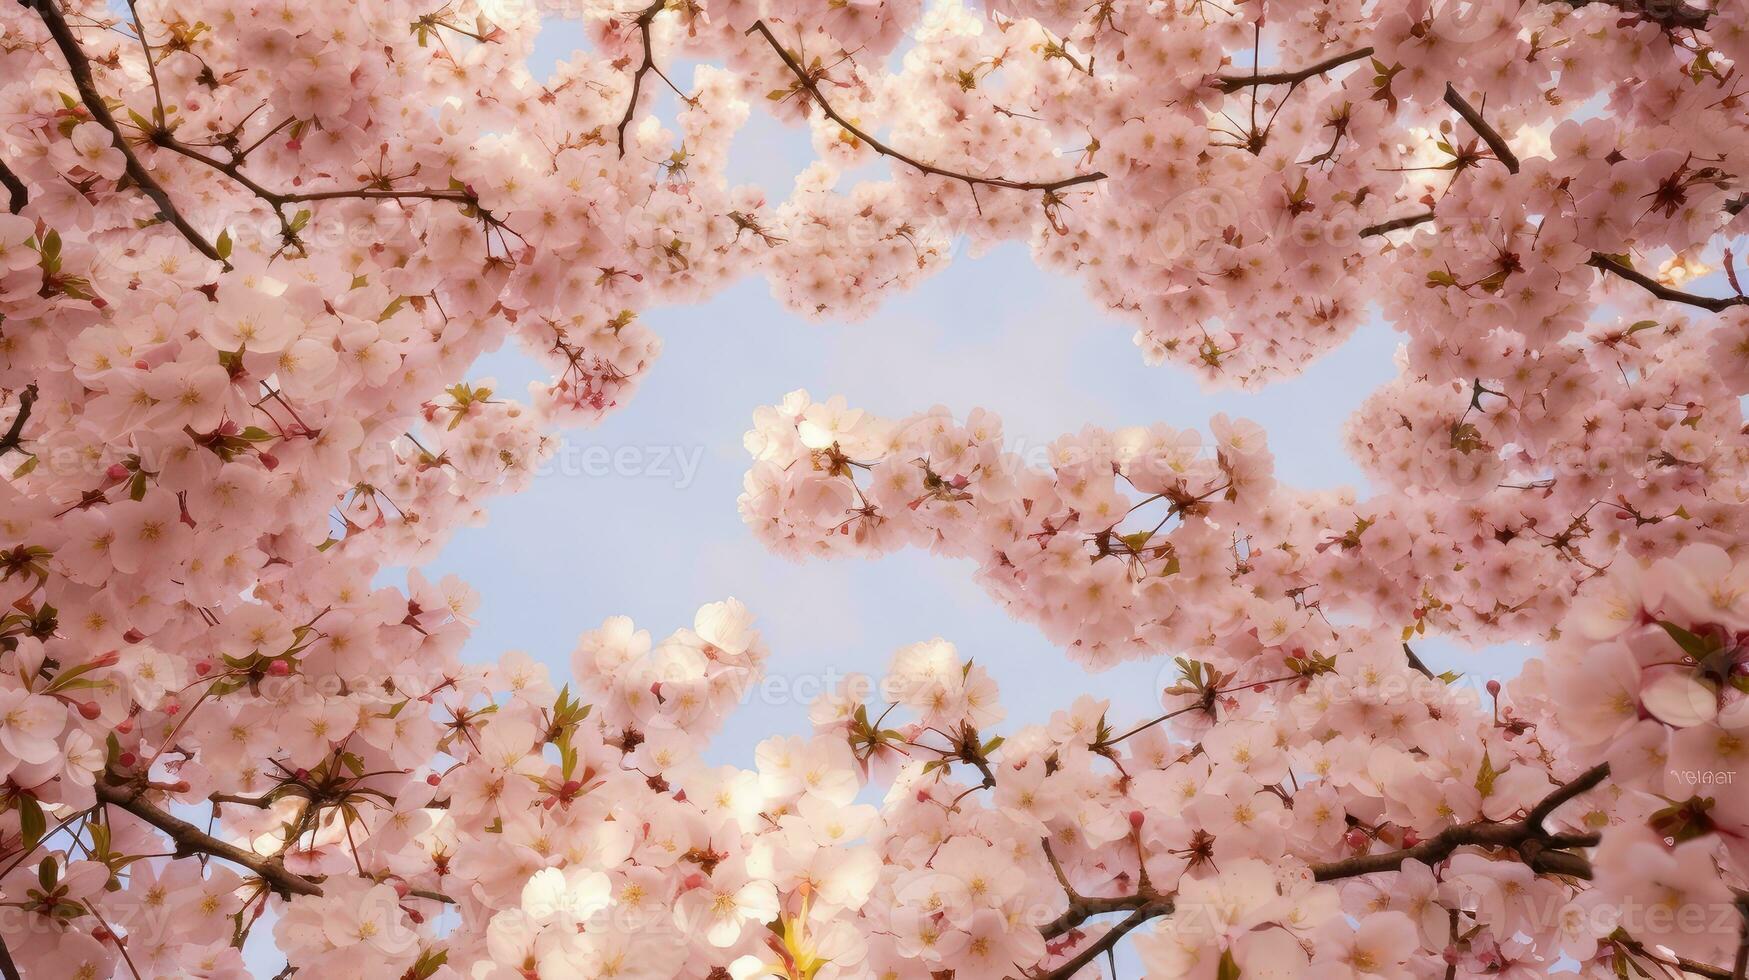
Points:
[(14, 436), (1535, 845), (645, 18), (79, 67), (192, 840), (807, 84), (8, 969), (1540, 850), (1074, 964), (1417, 663), (19, 193), (1670, 14), (1488, 133), (1682, 963), (1396, 224), (1233, 83), (1616, 267)]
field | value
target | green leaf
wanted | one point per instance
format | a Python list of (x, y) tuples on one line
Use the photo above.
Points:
[(223, 246), (1486, 776), (1695, 646), (1228, 968), (32, 822)]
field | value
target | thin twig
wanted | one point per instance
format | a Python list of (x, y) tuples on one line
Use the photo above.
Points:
[(645, 17), (1074, 964), (810, 86), (1682, 963)]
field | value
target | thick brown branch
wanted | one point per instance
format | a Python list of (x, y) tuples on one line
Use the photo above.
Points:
[(810, 86), (8, 969), (1541, 850), (1666, 13), (1616, 267), (14, 436), (1488, 133), (79, 67), (192, 840), (1534, 844), (20, 195), (645, 17), (1396, 224), (1233, 83)]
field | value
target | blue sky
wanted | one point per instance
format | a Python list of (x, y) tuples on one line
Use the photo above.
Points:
[(644, 523)]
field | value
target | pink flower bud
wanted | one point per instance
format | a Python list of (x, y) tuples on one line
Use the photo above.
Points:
[(89, 710), (1494, 688), (279, 668)]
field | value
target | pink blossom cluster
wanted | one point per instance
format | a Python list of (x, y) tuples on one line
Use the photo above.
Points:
[(250, 252)]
